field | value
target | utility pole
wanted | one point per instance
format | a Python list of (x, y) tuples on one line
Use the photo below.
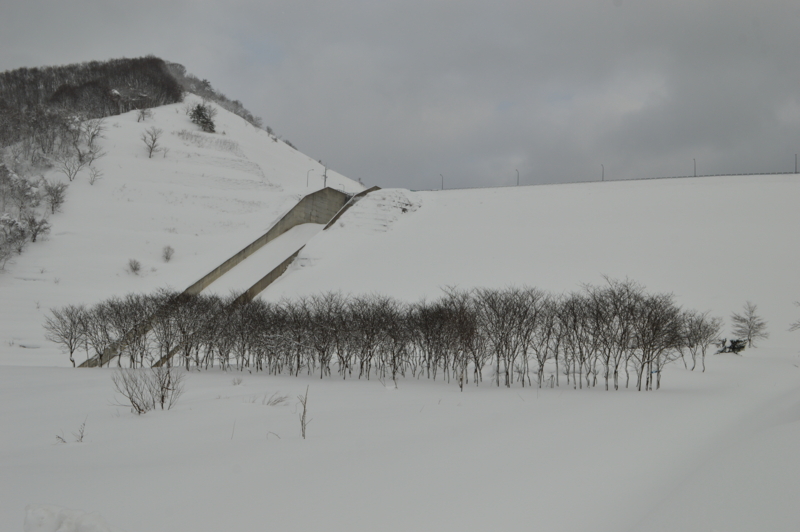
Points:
[(602, 173), (517, 177), (695, 167), (795, 163), (442, 181), (325, 178)]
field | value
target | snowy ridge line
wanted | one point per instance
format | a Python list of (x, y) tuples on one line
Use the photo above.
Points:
[(606, 181)]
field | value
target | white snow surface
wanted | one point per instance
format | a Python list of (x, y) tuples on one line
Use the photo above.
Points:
[(709, 451), (256, 266), (49, 518)]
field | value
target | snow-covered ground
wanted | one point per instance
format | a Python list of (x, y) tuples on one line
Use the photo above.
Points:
[(713, 451), (709, 451)]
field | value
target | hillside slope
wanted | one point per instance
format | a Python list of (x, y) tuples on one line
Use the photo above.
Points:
[(714, 242), (207, 197)]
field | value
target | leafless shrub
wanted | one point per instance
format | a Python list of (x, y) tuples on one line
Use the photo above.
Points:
[(147, 389), (167, 253), (275, 399), (134, 266), (151, 138), (81, 432), (36, 226), (95, 175), (303, 415), (166, 384), (134, 386)]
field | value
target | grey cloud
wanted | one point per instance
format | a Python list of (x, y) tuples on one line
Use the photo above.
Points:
[(396, 93)]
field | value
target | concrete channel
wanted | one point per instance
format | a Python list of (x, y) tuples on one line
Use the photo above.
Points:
[(324, 206)]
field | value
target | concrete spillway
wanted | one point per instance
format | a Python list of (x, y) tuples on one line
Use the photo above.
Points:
[(251, 270)]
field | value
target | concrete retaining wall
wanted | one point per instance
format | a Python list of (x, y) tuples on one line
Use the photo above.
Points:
[(318, 208), (349, 204)]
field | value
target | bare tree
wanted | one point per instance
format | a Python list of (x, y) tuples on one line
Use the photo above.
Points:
[(151, 137), (700, 331), (36, 226), (70, 163), (55, 195), (99, 333), (66, 326), (749, 325), (304, 421), (94, 175), (93, 130)]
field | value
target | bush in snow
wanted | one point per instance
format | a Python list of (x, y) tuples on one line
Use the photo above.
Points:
[(203, 114), (134, 266), (13, 238), (147, 389)]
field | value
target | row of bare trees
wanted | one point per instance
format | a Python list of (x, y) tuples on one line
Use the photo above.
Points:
[(598, 335)]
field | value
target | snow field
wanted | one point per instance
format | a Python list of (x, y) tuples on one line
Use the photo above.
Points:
[(421, 456), (709, 451)]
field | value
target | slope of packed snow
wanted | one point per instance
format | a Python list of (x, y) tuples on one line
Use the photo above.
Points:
[(207, 197)]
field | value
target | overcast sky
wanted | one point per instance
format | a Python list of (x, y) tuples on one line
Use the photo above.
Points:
[(397, 93)]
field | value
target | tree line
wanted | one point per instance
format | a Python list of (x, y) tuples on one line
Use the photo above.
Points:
[(599, 335), (38, 104)]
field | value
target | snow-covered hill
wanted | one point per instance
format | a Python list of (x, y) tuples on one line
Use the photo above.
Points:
[(709, 451), (715, 242), (206, 196)]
